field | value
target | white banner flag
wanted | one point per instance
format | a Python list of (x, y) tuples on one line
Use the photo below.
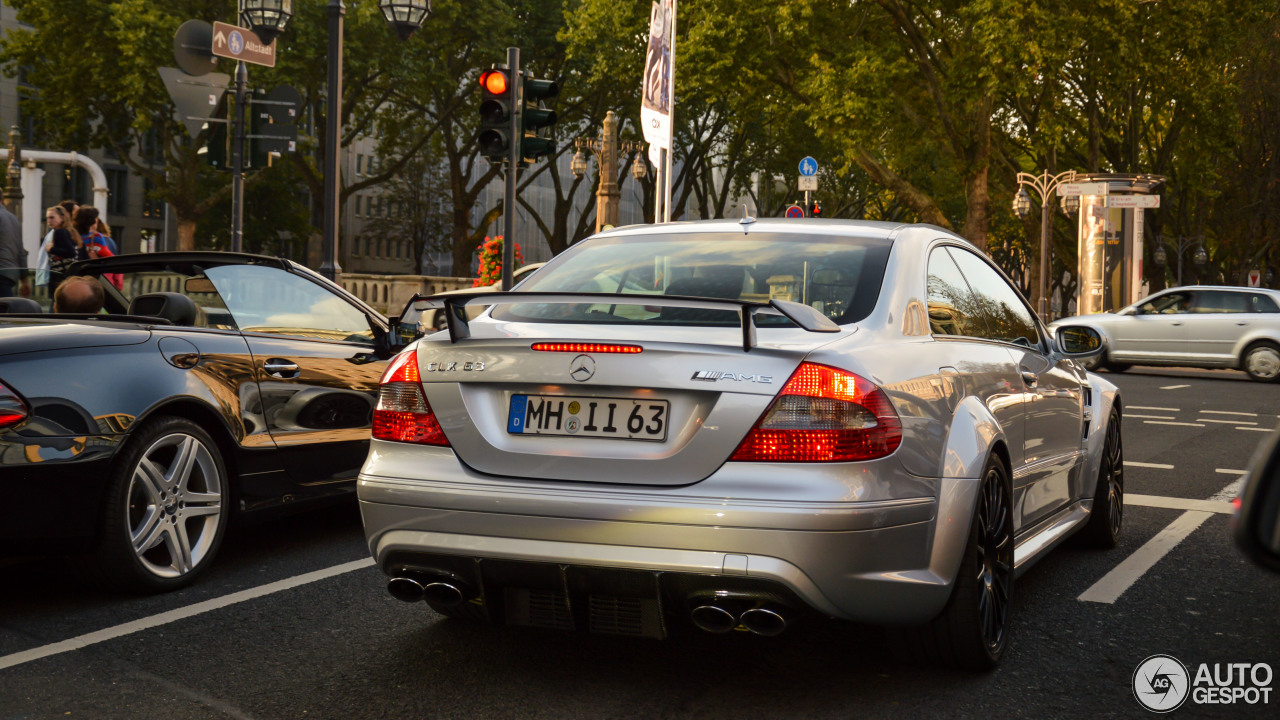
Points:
[(655, 109)]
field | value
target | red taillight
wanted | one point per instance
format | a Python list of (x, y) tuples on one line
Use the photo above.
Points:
[(824, 415), (587, 348), (403, 414), (13, 409)]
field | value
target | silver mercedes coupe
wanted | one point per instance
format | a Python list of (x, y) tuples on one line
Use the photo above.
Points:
[(739, 424)]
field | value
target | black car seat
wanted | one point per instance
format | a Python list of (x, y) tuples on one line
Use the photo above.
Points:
[(13, 305), (718, 281), (174, 307)]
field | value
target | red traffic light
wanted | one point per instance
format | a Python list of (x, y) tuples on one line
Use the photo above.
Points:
[(494, 81), (815, 210)]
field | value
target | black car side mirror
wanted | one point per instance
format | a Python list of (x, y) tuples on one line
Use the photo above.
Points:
[(1257, 520), (1079, 341)]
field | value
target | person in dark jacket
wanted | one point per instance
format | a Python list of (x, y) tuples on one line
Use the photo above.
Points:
[(63, 243), (12, 257)]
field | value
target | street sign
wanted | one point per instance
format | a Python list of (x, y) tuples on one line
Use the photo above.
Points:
[(193, 48), (281, 104), (1082, 188), (808, 167), (1255, 278), (795, 211), (195, 99), (808, 182), (237, 43), (1133, 201)]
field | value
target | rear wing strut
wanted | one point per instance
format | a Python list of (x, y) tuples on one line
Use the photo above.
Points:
[(802, 315)]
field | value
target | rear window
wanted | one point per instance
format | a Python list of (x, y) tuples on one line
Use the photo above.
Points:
[(839, 277)]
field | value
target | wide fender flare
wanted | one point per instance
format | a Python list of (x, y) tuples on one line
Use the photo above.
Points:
[(1103, 397), (971, 440)]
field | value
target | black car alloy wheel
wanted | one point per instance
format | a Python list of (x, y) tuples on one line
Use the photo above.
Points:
[(995, 560)]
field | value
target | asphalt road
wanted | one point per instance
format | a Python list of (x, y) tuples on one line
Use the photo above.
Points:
[(340, 647)]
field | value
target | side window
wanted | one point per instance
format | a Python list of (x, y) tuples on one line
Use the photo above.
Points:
[(270, 300), (1167, 304), (1262, 303), (1218, 301), (1007, 316), (953, 310)]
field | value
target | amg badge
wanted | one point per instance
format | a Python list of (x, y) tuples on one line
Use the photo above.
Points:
[(714, 375)]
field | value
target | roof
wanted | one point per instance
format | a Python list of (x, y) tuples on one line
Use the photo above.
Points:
[(815, 226)]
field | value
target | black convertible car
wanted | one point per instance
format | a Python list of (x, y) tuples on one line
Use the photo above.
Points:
[(211, 383)]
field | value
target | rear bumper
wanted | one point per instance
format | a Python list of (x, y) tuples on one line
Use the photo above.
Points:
[(882, 560), (50, 496)]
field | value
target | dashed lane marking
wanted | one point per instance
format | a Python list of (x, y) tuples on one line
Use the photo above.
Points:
[(165, 618), (1131, 569), (1229, 471), (1166, 422), (1174, 387), (1225, 422), (1150, 417), (1227, 412), (1255, 429), (1143, 407), (1157, 466)]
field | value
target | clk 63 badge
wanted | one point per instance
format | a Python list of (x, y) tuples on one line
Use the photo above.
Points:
[(476, 366)]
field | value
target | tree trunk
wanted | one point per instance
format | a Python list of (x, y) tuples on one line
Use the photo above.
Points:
[(186, 234), (977, 217)]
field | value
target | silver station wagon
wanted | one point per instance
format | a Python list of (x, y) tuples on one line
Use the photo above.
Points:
[(1195, 326), (740, 424)]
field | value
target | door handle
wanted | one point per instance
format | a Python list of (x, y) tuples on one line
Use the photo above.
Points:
[(1176, 324), (1241, 323), (1029, 378), (277, 367)]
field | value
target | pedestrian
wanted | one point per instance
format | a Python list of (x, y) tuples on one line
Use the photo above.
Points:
[(62, 243), (86, 223), (13, 257), (78, 294), (105, 231), (71, 206)]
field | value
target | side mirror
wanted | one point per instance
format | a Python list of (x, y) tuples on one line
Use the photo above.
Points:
[(1256, 525), (1079, 341)]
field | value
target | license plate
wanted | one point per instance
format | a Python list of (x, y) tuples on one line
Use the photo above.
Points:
[(588, 417)]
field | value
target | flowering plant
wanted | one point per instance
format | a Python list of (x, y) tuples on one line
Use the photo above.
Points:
[(491, 261)]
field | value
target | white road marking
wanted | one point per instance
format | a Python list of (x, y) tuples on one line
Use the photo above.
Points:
[(1151, 417), (1228, 493), (1165, 422), (1158, 466), (1229, 471), (1172, 503), (1255, 429), (165, 618), (1131, 569), (1174, 387), (1123, 576), (1226, 422), (1227, 412), (1142, 407)]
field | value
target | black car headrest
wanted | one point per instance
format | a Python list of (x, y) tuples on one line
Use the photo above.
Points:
[(19, 305), (174, 307)]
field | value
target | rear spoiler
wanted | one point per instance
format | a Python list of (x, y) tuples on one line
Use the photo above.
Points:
[(802, 315)]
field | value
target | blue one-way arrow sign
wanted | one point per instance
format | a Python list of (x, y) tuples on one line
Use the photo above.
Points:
[(808, 167)]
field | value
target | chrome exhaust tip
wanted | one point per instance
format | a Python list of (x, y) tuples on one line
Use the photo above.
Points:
[(764, 621), (443, 594), (713, 618), (405, 589)]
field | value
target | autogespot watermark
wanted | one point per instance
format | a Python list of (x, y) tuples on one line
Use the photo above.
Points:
[(1161, 683)]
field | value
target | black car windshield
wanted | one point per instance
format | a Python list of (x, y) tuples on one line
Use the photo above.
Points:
[(838, 276)]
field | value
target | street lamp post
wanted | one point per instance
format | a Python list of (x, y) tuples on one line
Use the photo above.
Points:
[(606, 147), (1180, 244), (1044, 184), (267, 18)]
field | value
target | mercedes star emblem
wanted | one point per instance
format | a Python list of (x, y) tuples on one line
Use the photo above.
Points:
[(582, 368)]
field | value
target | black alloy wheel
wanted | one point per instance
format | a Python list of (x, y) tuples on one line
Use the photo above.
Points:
[(1107, 517), (995, 560)]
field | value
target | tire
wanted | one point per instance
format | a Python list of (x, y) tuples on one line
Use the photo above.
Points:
[(1107, 517), (972, 631), (166, 510), (1118, 367), (1094, 363), (1261, 361)]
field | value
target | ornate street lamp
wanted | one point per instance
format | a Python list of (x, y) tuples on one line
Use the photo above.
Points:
[(1201, 257), (639, 168), (1179, 244), (1022, 204), (1160, 256), (578, 165), (406, 16), (266, 18), (1070, 205)]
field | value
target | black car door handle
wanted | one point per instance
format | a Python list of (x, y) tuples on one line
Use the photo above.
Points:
[(277, 367), (1029, 378)]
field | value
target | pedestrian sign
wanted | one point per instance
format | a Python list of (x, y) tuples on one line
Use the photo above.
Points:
[(808, 167), (237, 43), (795, 211)]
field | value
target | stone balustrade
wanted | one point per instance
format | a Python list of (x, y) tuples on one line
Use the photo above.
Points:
[(389, 293)]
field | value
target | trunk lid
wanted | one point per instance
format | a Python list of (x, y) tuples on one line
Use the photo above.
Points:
[(25, 335)]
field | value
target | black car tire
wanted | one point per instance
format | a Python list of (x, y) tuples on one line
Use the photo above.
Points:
[(169, 489), (1259, 361), (972, 631), (1107, 517)]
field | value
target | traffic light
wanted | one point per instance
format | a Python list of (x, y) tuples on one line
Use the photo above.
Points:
[(815, 210), (217, 148), (497, 101), (536, 120)]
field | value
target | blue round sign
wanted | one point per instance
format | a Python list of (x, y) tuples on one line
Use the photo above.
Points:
[(235, 43), (795, 211), (808, 167)]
